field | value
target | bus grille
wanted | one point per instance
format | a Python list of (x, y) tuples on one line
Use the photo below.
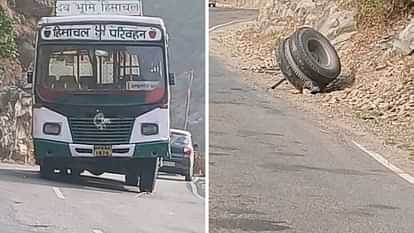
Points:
[(115, 131)]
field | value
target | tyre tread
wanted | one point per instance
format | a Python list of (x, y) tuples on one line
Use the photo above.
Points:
[(286, 69), (305, 62)]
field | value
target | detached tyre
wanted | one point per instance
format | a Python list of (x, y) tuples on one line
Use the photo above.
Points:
[(315, 56), (286, 69), (291, 70)]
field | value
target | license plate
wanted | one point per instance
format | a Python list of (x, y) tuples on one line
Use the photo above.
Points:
[(168, 164), (102, 151)]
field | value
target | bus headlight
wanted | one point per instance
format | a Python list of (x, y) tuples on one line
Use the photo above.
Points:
[(51, 128), (149, 129)]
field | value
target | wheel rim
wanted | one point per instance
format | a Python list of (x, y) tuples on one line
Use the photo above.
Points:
[(318, 53)]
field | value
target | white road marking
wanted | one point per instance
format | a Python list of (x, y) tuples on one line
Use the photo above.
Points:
[(58, 193), (229, 23), (194, 189), (97, 231), (387, 164)]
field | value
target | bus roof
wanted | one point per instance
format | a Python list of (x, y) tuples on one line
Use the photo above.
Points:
[(102, 18)]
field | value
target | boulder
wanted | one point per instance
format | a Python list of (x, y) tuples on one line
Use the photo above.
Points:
[(282, 16), (405, 40), (35, 8), (15, 124)]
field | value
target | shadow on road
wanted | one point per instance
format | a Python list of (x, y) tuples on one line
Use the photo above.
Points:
[(170, 177), (81, 182), (84, 182)]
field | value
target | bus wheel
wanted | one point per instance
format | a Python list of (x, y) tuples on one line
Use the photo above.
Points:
[(131, 178), (189, 175), (190, 172), (149, 171)]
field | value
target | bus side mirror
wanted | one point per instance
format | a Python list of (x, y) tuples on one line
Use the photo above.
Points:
[(29, 76), (172, 79)]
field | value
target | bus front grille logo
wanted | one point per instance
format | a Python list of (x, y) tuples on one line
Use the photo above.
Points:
[(100, 121)]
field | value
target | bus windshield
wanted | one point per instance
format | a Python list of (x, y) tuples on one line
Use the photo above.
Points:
[(101, 70)]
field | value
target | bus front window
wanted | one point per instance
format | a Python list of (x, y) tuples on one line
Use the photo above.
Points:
[(132, 70)]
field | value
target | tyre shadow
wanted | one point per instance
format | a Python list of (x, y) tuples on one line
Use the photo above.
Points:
[(344, 81)]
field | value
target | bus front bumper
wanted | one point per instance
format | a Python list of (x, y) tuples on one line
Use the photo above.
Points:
[(52, 149)]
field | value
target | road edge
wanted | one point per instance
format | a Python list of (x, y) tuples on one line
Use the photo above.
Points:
[(383, 161), (229, 23), (195, 189)]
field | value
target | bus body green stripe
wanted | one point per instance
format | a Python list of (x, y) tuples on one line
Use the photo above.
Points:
[(47, 148), (152, 149)]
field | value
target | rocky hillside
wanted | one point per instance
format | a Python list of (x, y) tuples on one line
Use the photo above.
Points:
[(16, 55), (375, 43), (253, 4)]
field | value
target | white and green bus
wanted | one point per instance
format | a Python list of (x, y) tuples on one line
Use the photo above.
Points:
[(101, 88)]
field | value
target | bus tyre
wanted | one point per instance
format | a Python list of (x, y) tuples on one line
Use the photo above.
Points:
[(188, 177), (149, 171), (131, 178), (189, 174)]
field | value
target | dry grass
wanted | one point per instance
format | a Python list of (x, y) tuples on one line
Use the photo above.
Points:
[(373, 12)]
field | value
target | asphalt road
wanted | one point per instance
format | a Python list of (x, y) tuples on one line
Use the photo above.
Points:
[(94, 204), (185, 21), (103, 204), (218, 16), (272, 169)]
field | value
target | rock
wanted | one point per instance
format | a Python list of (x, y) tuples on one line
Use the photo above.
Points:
[(336, 23), (248, 4), (26, 50), (334, 100), (37, 8), (15, 124), (405, 41)]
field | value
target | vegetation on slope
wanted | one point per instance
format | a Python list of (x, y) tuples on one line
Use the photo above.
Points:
[(381, 11), (7, 35)]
